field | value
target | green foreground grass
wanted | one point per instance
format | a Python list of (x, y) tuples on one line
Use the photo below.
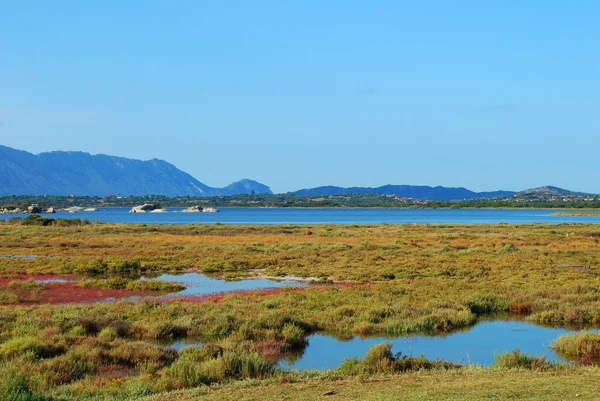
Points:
[(465, 384)]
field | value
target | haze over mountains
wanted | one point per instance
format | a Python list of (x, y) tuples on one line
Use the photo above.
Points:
[(79, 173), (83, 174)]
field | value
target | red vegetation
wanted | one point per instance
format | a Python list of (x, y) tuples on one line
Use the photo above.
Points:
[(272, 350), (216, 298), (64, 292), (70, 292)]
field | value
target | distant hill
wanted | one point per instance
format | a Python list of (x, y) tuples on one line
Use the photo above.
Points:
[(549, 190), (406, 191), (79, 173)]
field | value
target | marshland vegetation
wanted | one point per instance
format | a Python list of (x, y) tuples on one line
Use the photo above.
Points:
[(369, 280)]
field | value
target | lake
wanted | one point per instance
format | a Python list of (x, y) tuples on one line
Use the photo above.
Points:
[(329, 216)]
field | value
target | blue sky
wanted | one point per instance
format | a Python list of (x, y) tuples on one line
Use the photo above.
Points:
[(481, 94)]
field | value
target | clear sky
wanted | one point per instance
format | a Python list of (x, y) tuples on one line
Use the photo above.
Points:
[(481, 94)]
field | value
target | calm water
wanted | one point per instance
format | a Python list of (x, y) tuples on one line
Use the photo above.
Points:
[(329, 216), (476, 346), (199, 285)]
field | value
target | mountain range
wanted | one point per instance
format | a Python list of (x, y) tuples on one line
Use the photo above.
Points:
[(83, 174), (79, 173), (407, 191)]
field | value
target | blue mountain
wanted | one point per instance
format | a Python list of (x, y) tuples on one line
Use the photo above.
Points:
[(406, 191), (79, 173)]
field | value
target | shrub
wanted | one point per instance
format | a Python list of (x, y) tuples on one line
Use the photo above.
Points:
[(112, 283), (37, 220), (28, 285), (293, 336), (518, 360), (583, 347), (107, 334), (185, 373), (509, 248), (20, 345), (154, 285), (379, 359), (486, 303), (14, 387), (8, 297), (388, 276)]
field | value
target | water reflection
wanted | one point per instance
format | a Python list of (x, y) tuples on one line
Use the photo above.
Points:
[(476, 346)]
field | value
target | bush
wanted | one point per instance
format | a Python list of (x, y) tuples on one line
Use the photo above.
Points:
[(509, 248), (14, 387), (8, 297), (185, 373), (37, 220), (388, 276), (108, 334), (20, 345), (293, 336), (584, 347), (111, 283), (379, 359), (154, 285), (479, 304), (518, 360)]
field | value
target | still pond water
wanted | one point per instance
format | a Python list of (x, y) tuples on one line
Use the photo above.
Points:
[(198, 285), (475, 346), (329, 216)]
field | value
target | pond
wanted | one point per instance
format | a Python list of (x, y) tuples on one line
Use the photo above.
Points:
[(476, 346), (66, 289), (198, 285)]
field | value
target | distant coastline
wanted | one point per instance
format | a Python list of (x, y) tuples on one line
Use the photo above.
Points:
[(379, 201)]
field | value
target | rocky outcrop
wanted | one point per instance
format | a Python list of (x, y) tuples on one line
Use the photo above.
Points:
[(159, 211), (198, 209), (50, 210), (193, 209), (34, 209), (146, 207)]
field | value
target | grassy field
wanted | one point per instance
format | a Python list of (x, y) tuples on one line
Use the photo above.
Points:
[(371, 280), (465, 385)]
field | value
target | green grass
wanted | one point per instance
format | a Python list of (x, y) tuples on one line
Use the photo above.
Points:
[(461, 385)]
